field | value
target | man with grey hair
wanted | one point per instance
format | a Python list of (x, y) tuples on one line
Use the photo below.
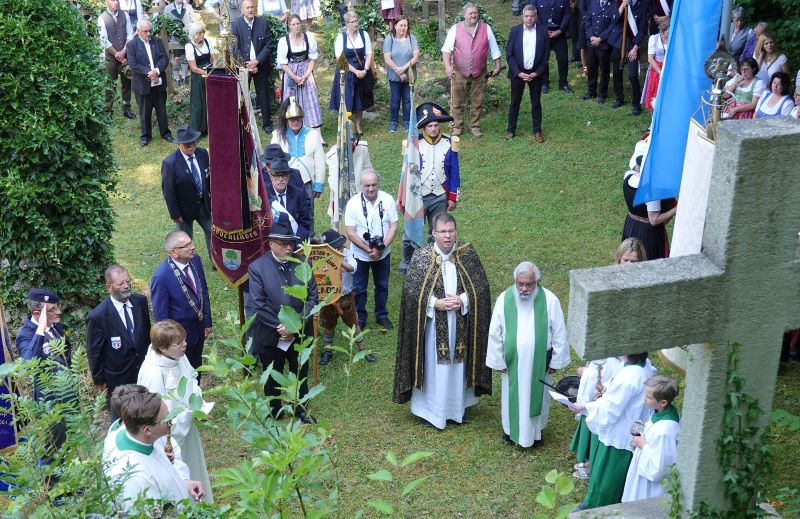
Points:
[(464, 53), (180, 292), (527, 342), (147, 59)]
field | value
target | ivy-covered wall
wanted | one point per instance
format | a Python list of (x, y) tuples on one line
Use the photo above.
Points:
[(56, 159)]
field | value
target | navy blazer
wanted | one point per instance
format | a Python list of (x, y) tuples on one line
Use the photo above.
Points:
[(553, 13), (259, 36), (639, 10), (140, 64), (299, 206), (116, 362), (599, 20), (169, 301), (514, 51), (177, 186), (33, 346)]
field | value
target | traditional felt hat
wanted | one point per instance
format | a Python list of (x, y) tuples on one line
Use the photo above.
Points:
[(294, 109), (568, 386), (272, 152), (431, 112), (186, 134), (42, 295), (281, 231), (332, 238), (280, 165)]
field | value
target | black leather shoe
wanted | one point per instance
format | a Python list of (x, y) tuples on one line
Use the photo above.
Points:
[(617, 103), (305, 417), (369, 357), (566, 88), (538, 443), (144, 141), (601, 100), (586, 97), (386, 323), (128, 114), (636, 110), (326, 357), (425, 423), (507, 439), (545, 88), (168, 137)]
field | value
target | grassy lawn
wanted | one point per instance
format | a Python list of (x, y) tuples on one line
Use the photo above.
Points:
[(558, 204)]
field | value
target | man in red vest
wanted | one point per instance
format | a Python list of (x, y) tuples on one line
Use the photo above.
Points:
[(464, 53)]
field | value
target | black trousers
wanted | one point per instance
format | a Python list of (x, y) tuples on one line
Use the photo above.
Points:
[(517, 89), (559, 46), (633, 76), (279, 358), (599, 58), (261, 81), (156, 99), (575, 24)]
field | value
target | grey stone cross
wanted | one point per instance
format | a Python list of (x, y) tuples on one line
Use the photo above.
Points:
[(743, 287)]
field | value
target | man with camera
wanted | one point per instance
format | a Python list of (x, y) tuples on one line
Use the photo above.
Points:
[(116, 30), (371, 222)]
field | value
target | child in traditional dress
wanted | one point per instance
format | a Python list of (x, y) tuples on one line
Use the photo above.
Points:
[(345, 307), (610, 418), (657, 446)]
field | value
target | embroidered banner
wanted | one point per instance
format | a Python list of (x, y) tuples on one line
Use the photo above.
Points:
[(8, 433), (327, 264)]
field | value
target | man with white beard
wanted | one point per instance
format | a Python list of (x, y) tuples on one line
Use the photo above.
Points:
[(527, 342)]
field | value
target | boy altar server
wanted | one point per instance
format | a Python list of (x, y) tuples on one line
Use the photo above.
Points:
[(610, 418), (657, 446)]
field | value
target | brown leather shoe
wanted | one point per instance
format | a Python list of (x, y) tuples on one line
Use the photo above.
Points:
[(476, 132), (538, 137)]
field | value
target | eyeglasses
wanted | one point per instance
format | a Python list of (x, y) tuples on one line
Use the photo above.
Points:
[(188, 245), (446, 233), (284, 244), (353, 21)]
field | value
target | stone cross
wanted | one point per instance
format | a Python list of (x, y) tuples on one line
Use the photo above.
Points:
[(743, 287)]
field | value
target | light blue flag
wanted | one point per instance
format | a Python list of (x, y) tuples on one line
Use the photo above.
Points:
[(692, 38)]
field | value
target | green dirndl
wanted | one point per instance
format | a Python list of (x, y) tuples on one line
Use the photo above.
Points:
[(607, 478), (198, 118)]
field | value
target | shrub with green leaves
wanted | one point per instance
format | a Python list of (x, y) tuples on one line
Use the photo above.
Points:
[(56, 159)]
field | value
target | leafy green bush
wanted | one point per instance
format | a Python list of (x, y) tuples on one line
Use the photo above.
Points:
[(277, 30), (56, 159), (428, 38)]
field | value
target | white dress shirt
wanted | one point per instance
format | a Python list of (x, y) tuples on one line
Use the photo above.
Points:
[(528, 46)]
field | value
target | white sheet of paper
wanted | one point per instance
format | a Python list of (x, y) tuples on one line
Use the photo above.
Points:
[(207, 407), (387, 4), (284, 345), (558, 397)]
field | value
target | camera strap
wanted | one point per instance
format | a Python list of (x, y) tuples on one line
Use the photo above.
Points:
[(366, 218)]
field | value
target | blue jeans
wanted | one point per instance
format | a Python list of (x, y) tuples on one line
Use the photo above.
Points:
[(400, 92), (380, 277)]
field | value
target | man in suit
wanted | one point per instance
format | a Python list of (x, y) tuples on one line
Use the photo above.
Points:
[(117, 334), (272, 342), (288, 202), (147, 59), (185, 185), (252, 35), (179, 292), (597, 22), (527, 52), (555, 15), (636, 13)]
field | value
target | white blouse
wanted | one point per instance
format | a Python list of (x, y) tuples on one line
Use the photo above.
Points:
[(352, 43), (204, 48), (283, 49)]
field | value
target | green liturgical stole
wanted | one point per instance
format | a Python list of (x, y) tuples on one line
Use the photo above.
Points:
[(540, 325)]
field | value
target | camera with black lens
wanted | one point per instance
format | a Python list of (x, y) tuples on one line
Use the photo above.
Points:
[(375, 242)]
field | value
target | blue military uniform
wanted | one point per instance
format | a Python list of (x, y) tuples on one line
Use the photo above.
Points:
[(556, 15), (598, 22), (638, 9)]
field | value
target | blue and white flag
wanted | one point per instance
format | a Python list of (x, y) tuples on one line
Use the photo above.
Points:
[(692, 38)]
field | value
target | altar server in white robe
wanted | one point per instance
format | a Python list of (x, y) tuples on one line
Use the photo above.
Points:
[(141, 468), (657, 447), (527, 342), (163, 367), (610, 418)]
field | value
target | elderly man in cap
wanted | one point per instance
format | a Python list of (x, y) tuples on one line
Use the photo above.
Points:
[(272, 342), (439, 170), (186, 185), (527, 343), (289, 203)]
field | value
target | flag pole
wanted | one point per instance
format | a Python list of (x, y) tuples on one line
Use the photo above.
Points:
[(624, 37)]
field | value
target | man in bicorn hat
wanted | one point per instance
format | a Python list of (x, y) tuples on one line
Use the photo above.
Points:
[(272, 342), (527, 343), (443, 329), (117, 334), (180, 292), (439, 170), (186, 185), (464, 53), (115, 29)]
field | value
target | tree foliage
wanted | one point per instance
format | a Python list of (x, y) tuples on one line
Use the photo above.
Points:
[(56, 159), (783, 19)]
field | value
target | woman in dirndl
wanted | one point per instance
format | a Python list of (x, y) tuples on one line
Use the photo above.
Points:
[(357, 48), (646, 222), (656, 51), (200, 56), (297, 52), (744, 91)]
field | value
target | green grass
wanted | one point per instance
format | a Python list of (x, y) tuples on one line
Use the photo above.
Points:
[(558, 204)]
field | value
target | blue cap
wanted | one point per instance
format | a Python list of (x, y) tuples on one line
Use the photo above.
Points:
[(42, 295)]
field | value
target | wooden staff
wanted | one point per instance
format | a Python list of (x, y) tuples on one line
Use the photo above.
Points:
[(624, 37)]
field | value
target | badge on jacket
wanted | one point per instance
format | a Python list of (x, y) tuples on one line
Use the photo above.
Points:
[(116, 343)]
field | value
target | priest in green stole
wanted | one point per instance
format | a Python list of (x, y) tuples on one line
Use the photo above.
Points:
[(442, 331), (527, 342)]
